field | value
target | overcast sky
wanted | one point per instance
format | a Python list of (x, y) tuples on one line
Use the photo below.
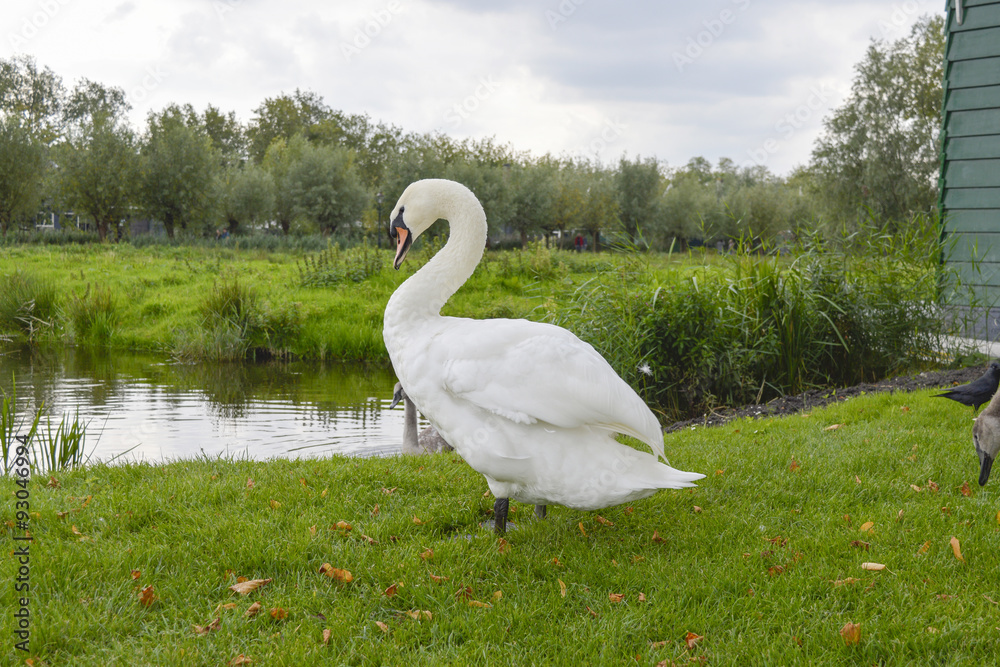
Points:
[(746, 79)]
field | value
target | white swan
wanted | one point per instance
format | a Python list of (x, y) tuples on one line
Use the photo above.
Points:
[(528, 405), (429, 440)]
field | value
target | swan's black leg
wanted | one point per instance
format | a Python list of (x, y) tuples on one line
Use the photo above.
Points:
[(500, 508), (540, 511)]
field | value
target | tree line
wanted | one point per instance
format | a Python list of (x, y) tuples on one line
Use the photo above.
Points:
[(300, 166)]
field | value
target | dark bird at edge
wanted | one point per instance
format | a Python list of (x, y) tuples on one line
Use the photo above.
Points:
[(978, 391)]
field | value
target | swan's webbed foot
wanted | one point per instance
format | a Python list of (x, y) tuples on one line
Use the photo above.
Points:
[(540, 511), (500, 508)]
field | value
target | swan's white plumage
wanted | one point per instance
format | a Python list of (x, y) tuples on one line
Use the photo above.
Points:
[(528, 405)]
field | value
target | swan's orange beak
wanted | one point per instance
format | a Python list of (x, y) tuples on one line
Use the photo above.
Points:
[(403, 241)]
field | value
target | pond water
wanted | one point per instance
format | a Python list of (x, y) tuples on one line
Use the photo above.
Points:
[(148, 408)]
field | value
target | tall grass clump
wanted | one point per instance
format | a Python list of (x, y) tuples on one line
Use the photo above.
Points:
[(762, 325), (94, 316), (48, 451), (237, 324), (333, 266), (28, 306)]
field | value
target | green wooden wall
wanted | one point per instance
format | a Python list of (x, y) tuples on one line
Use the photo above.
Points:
[(970, 164)]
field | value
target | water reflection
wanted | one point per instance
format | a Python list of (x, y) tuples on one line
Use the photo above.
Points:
[(146, 407)]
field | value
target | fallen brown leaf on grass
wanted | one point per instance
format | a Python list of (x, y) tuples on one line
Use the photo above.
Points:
[(867, 526), (503, 546), (833, 427), (691, 639), (369, 540), (274, 504), (312, 530), (326, 636), (278, 613), (302, 481), (697, 510), (851, 632), (581, 529), (250, 483), (336, 573), (956, 548), (591, 611), (342, 525), (615, 597), (205, 629), (477, 603), (642, 597), (147, 596), (857, 480), (419, 614), (136, 574), (562, 588), (227, 606), (932, 485), (388, 492), (463, 593), (436, 579), (657, 538), (239, 660), (252, 610), (601, 520), (390, 591), (426, 554), (418, 521), (382, 626), (375, 510), (247, 587), (497, 595), (874, 567), (860, 545), (966, 491), (794, 466), (923, 549)]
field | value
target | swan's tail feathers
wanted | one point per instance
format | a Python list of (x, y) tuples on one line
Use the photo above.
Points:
[(671, 478)]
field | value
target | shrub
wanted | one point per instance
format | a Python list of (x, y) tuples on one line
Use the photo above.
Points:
[(94, 315), (28, 306)]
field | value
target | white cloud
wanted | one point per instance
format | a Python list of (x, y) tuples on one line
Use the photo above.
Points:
[(576, 76)]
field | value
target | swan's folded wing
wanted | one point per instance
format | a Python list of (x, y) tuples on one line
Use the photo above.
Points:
[(531, 372)]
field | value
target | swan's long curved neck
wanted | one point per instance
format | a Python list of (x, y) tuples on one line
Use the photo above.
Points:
[(424, 293)]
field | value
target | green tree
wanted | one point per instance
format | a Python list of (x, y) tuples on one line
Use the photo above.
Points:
[(246, 195), (278, 161), (326, 187), (533, 191), (179, 167), (283, 117), (880, 149), (34, 96), (98, 171), (22, 167), (602, 209), (639, 185), (97, 161)]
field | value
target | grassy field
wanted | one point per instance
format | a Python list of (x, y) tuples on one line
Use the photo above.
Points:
[(760, 565), (158, 294)]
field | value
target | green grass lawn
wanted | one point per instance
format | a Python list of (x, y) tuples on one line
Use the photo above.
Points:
[(763, 560)]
